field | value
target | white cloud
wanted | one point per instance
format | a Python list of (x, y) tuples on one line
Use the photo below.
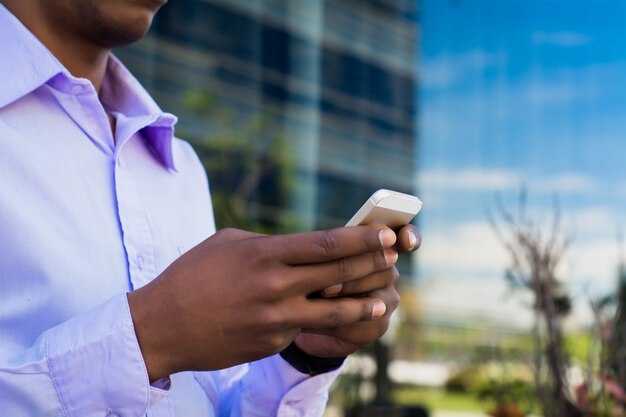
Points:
[(475, 299), (564, 183), (546, 93), (448, 68), (592, 258), (469, 179), (459, 88), (462, 268), (593, 264), (476, 179), (466, 249), (592, 222), (563, 39)]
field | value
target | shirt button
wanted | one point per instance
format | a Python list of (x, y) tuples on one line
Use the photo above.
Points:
[(77, 89), (119, 162), (140, 261)]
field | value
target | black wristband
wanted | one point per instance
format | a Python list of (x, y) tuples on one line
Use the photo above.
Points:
[(308, 364)]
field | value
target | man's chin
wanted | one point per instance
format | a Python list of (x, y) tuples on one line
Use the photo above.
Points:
[(111, 37), (119, 39), (114, 25)]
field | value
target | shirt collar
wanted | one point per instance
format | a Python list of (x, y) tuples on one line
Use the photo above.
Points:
[(124, 96), (28, 64)]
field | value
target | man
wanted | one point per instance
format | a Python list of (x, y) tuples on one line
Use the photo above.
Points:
[(117, 297)]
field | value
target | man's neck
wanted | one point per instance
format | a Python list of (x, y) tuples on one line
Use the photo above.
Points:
[(81, 58)]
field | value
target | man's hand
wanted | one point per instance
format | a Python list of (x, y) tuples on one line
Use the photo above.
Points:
[(346, 339), (239, 297)]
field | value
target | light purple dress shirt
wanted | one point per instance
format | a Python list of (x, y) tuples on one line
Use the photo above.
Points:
[(85, 218)]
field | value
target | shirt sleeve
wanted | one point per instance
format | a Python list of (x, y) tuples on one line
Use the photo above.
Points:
[(267, 388), (88, 366)]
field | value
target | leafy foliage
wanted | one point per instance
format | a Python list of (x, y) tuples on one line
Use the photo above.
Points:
[(250, 163)]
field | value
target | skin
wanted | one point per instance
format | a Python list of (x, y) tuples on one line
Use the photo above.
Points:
[(237, 296), (193, 318)]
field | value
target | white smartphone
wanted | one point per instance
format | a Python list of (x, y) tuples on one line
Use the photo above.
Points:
[(391, 208)]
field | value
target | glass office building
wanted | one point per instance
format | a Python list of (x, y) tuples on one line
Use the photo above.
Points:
[(299, 109)]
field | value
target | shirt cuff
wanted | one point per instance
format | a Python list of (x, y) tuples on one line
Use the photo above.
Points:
[(298, 394), (96, 364)]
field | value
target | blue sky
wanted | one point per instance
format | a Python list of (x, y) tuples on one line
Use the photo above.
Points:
[(511, 93)]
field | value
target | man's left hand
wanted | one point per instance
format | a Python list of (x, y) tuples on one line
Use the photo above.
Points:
[(342, 341)]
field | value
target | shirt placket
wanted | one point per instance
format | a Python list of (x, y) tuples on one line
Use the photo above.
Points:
[(137, 234), (81, 102)]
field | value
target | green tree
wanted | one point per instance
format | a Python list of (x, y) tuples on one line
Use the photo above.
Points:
[(250, 164)]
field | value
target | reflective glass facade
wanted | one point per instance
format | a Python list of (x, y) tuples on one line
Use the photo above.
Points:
[(299, 109)]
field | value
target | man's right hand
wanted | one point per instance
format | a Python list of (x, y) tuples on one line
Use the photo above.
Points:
[(239, 296)]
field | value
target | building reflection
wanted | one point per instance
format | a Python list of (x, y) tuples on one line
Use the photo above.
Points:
[(338, 79)]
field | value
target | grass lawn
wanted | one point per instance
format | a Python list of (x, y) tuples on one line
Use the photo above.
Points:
[(437, 399)]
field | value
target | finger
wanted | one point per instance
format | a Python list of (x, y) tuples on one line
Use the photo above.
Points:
[(390, 297), (320, 313), (409, 239), (364, 329), (332, 274), (362, 333), (371, 282), (328, 245)]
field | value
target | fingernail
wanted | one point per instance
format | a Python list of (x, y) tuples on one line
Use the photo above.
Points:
[(333, 289), (391, 256), (387, 237), (379, 309), (412, 240)]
